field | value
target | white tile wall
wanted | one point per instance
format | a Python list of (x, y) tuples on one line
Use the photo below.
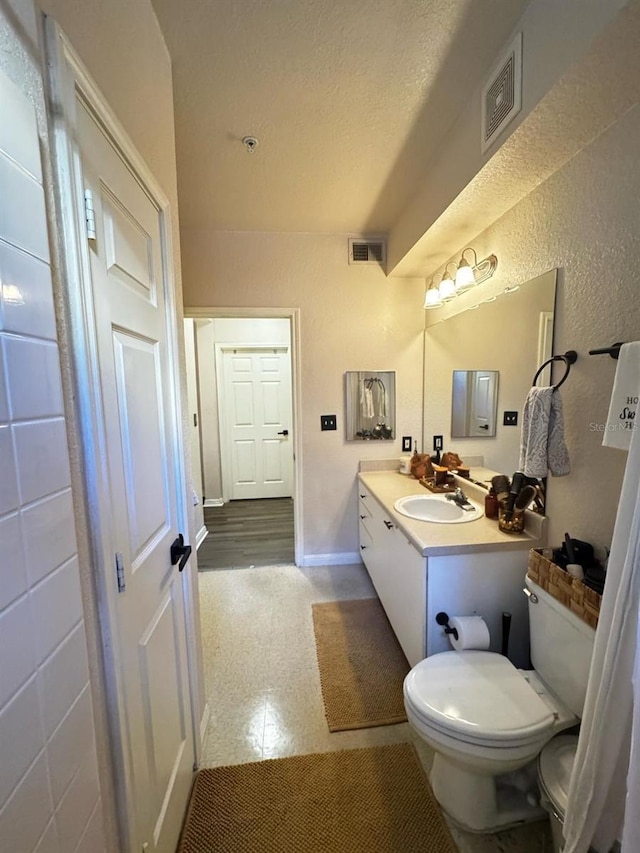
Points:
[(49, 788)]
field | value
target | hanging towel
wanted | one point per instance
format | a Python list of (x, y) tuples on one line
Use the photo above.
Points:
[(366, 400), (604, 776), (624, 398), (542, 444)]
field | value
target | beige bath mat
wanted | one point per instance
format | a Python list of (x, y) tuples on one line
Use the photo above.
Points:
[(374, 800), (362, 666)]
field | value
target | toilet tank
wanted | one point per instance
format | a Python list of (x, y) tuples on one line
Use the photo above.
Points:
[(561, 647)]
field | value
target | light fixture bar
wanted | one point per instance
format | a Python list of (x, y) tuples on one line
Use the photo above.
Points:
[(466, 277), (485, 268)]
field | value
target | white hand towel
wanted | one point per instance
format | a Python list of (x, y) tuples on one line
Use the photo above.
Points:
[(366, 401), (542, 444), (624, 398)]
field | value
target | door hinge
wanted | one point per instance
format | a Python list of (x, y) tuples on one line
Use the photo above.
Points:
[(90, 215), (120, 572)]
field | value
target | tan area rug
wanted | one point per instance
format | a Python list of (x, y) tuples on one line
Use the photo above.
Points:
[(374, 800), (362, 666)]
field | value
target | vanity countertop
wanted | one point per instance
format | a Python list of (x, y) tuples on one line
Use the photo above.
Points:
[(433, 539)]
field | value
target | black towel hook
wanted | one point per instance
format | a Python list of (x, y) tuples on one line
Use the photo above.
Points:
[(613, 350), (570, 357)]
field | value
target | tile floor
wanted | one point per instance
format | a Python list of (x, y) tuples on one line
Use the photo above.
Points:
[(263, 685)]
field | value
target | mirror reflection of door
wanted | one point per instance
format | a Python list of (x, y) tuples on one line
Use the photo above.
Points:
[(481, 420), (474, 403)]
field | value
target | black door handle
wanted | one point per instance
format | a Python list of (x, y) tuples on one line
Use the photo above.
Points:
[(180, 552), (284, 432), (483, 426)]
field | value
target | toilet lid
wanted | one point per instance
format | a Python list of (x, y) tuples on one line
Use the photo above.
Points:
[(555, 764), (477, 695)]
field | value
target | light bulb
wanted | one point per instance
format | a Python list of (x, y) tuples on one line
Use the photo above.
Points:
[(447, 289), (464, 277), (432, 298)]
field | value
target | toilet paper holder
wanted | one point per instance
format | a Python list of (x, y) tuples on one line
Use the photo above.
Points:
[(442, 618)]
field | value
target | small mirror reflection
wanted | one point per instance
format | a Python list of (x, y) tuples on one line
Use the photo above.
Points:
[(474, 403), (370, 404)]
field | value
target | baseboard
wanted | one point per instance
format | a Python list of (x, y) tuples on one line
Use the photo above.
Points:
[(213, 502), (201, 535), (204, 722), (348, 558)]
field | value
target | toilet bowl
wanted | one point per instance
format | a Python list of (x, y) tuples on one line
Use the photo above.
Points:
[(484, 719), (488, 721)]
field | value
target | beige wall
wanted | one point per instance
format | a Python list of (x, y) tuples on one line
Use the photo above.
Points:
[(352, 318), (585, 220)]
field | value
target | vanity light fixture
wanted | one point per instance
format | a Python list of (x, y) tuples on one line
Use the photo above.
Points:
[(466, 277)]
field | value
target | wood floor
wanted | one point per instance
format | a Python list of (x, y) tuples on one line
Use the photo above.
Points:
[(248, 533)]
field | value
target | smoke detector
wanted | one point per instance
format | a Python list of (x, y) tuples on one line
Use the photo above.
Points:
[(250, 143)]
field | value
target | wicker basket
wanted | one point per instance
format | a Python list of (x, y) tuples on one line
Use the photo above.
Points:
[(581, 599)]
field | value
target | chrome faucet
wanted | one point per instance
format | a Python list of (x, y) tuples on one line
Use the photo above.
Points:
[(459, 498)]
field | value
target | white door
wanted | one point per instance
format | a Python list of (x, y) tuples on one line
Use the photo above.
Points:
[(130, 315), (256, 422), (482, 408)]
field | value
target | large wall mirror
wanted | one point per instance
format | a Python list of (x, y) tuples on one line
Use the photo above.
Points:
[(512, 336)]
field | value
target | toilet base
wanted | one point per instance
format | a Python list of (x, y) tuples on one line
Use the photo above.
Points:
[(484, 803)]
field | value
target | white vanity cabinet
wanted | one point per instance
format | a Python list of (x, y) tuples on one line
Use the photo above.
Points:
[(398, 573), (441, 570)]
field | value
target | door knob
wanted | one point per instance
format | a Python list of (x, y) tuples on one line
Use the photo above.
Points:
[(284, 432), (180, 552)]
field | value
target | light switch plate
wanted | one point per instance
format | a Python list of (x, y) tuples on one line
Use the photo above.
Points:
[(438, 442), (510, 419), (406, 443), (328, 422)]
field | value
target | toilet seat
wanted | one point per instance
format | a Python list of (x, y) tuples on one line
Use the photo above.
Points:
[(478, 698)]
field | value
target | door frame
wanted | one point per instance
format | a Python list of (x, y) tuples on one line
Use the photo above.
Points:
[(66, 78), (225, 461), (293, 316)]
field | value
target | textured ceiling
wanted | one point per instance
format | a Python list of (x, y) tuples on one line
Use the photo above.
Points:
[(348, 99)]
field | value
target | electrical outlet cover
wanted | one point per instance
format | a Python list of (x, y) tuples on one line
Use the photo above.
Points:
[(328, 422), (510, 419), (438, 442)]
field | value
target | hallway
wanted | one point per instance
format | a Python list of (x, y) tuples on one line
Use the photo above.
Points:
[(263, 685), (248, 533)]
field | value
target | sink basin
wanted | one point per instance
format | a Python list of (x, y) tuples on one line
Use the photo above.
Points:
[(436, 508)]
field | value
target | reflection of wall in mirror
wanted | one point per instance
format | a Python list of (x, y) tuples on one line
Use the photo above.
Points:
[(503, 335)]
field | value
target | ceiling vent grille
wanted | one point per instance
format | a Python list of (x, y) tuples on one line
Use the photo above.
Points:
[(367, 251), (502, 95)]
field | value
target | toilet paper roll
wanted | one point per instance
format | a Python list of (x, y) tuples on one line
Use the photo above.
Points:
[(472, 633)]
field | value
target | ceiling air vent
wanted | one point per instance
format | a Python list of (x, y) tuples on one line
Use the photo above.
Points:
[(502, 95), (366, 251)]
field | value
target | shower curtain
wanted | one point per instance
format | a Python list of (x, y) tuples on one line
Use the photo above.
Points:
[(605, 785)]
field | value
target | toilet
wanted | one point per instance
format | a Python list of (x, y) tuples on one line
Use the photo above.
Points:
[(555, 764), (487, 721)]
